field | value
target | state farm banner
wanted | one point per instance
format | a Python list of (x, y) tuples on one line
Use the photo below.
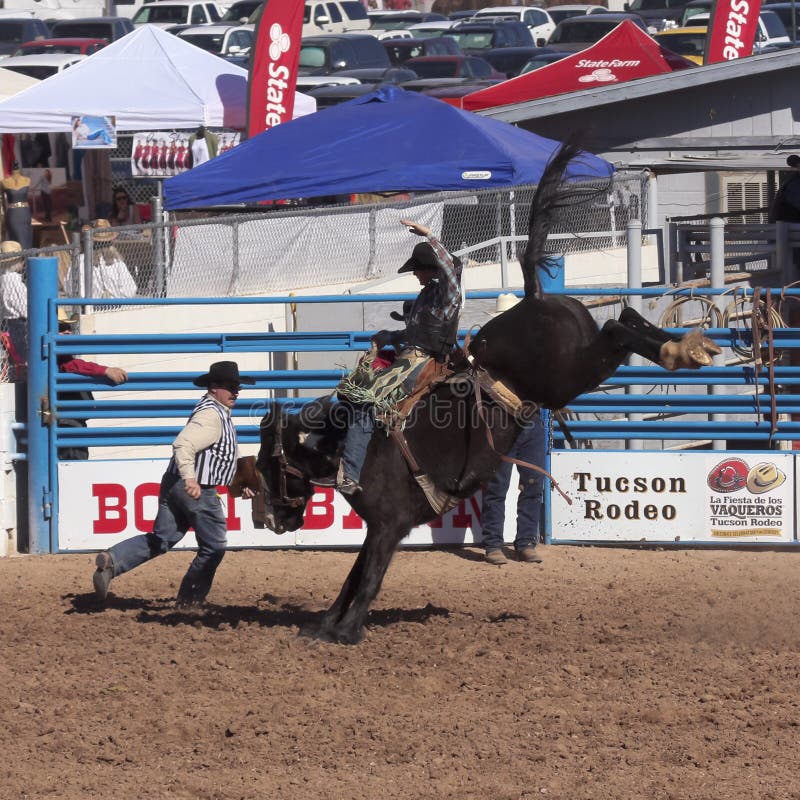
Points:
[(162, 154), (674, 497), (101, 503), (273, 65), (731, 30)]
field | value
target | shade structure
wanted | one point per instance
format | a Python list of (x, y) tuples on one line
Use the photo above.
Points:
[(623, 54), (388, 140), (12, 83), (149, 80)]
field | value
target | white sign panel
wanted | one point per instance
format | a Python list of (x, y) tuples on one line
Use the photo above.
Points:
[(674, 497), (103, 502)]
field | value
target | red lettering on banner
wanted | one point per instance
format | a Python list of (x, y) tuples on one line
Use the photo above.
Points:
[(139, 493), (352, 522), (319, 513), (462, 518), (232, 521), (112, 516)]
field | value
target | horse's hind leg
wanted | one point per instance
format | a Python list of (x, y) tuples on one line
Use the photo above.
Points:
[(690, 351)]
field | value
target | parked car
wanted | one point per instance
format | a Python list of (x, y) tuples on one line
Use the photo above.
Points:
[(241, 11), (167, 13), (231, 42), (322, 55), (694, 7), (41, 66), (474, 37), (108, 28), (557, 13), (425, 30), (368, 81), (689, 42), (578, 33), (393, 20), (510, 60), (785, 12), (400, 50), (771, 34), (83, 47), (539, 22), (658, 14), (466, 67), (543, 59), (334, 16), (14, 31)]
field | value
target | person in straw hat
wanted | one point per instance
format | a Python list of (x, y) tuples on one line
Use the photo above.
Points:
[(529, 446), (110, 274), (14, 299), (204, 456)]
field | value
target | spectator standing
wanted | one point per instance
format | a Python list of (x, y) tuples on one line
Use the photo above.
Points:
[(786, 205), (530, 447)]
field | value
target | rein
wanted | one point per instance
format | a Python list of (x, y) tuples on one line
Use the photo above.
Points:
[(284, 469), (490, 438)]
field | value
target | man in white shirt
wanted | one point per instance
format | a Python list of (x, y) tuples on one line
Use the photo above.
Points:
[(204, 456)]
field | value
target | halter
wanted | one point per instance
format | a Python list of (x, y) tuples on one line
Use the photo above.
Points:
[(284, 469)]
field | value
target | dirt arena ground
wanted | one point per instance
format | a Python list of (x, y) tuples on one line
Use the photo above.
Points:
[(601, 673)]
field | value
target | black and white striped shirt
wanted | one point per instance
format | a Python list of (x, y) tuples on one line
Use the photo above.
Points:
[(214, 465)]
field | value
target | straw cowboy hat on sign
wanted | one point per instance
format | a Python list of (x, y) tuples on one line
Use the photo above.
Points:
[(764, 477), (9, 260)]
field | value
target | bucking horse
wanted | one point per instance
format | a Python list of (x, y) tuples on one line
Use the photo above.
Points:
[(542, 353)]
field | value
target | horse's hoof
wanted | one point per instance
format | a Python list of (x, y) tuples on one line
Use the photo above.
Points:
[(700, 349)]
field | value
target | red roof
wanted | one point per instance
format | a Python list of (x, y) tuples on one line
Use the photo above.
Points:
[(624, 54)]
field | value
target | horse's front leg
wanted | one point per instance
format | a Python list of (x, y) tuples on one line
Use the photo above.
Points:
[(325, 628), (379, 546)]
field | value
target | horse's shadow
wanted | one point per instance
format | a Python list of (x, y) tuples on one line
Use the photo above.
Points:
[(283, 614)]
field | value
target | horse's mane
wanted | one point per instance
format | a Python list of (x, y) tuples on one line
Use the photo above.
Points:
[(550, 197)]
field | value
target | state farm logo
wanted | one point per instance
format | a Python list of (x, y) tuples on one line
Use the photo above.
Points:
[(598, 76), (277, 108), (279, 41)]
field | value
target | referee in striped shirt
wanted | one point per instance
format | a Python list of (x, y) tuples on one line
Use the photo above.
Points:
[(204, 457)]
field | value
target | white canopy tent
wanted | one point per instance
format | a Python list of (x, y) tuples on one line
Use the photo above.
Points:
[(12, 83), (149, 80)]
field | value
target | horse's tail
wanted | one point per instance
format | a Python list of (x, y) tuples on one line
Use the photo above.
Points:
[(544, 207)]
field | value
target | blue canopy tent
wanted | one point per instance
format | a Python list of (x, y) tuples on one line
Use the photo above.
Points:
[(388, 140)]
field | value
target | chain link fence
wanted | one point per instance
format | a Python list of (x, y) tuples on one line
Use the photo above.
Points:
[(286, 248)]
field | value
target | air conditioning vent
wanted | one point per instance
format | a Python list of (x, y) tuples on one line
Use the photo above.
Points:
[(739, 195)]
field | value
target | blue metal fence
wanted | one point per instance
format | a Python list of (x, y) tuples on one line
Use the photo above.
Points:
[(644, 385)]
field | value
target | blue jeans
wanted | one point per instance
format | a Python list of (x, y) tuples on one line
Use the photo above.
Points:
[(529, 447), (177, 512), (359, 432)]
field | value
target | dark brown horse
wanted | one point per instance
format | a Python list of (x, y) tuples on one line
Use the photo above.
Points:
[(547, 349)]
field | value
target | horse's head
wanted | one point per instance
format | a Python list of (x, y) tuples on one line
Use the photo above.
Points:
[(287, 488), (295, 450)]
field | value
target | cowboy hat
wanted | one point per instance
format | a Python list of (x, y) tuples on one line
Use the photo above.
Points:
[(764, 477), (223, 372), (423, 256), (9, 260), (505, 302), (101, 230)]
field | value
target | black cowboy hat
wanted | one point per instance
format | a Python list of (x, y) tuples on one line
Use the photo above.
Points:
[(223, 372), (423, 256)]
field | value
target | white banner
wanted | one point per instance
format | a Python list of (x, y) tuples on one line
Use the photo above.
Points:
[(103, 502), (162, 154), (674, 497)]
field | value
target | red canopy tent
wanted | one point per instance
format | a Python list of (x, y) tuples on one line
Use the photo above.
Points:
[(624, 54)]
